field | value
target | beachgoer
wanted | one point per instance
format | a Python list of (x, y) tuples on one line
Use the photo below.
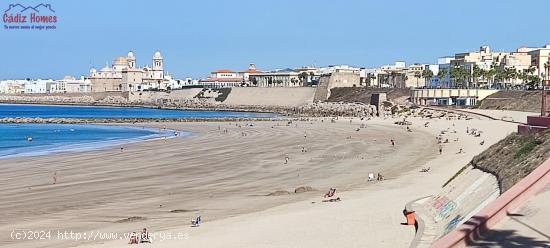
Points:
[(440, 149), (55, 177), (122, 149), (144, 236), (330, 193), (392, 142), (133, 238), (196, 222), (286, 158)]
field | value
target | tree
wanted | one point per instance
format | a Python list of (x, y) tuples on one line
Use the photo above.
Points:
[(303, 77), (442, 74), (393, 75), (427, 74), (476, 74), (491, 74), (459, 76), (417, 75)]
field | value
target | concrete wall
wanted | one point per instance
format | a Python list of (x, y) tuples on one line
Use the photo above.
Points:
[(463, 197), (286, 97), (498, 209)]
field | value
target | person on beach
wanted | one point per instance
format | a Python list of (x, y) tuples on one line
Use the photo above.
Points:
[(330, 193), (121, 149), (133, 238), (440, 150), (392, 142), (286, 158), (55, 177), (144, 236)]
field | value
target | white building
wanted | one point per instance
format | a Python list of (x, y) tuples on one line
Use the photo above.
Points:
[(12, 86), (71, 85), (40, 86)]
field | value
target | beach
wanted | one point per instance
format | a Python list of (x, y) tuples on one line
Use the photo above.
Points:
[(225, 172)]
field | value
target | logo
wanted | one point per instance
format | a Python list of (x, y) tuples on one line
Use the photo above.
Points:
[(40, 17)]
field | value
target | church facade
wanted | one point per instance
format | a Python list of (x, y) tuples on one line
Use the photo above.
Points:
[(124, 75)]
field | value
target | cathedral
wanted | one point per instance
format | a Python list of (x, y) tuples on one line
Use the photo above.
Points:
[(124, 76)]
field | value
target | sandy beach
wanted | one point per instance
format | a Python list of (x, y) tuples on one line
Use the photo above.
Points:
[(226, 177)]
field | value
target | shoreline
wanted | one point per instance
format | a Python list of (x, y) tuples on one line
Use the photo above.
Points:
[(96, 145)]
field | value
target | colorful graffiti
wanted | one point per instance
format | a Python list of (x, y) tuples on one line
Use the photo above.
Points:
[(453, 223)]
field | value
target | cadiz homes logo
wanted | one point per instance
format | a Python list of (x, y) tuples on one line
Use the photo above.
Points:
[(40, 17)]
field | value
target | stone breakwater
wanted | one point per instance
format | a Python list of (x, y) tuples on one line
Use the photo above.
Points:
[(321, 109), (76, 99)]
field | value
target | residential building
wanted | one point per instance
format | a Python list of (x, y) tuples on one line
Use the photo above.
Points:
[(539, 56), (228, 78), (40, 86), (222, 79), (12, 86), (72, 85)]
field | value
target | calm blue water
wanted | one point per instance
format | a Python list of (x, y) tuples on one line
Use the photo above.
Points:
[(49, 138), (52, 111)]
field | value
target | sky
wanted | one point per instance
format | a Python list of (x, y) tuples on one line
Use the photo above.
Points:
[(196, 37)]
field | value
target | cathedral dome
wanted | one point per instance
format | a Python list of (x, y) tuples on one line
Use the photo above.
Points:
[(131, 55), (157, 55), (121, 61)]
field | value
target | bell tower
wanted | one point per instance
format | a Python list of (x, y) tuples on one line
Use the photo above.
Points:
[(158, 66)]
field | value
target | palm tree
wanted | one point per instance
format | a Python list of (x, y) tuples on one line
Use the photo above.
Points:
[(303, 77), (427, 74), (494, 74), (459, 75), (417, 75), (393, 76), (476, 74), (441, 75)]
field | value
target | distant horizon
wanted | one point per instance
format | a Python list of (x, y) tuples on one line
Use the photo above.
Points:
[(199, 37)]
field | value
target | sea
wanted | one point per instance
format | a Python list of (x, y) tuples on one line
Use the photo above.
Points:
[(41, 139)]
